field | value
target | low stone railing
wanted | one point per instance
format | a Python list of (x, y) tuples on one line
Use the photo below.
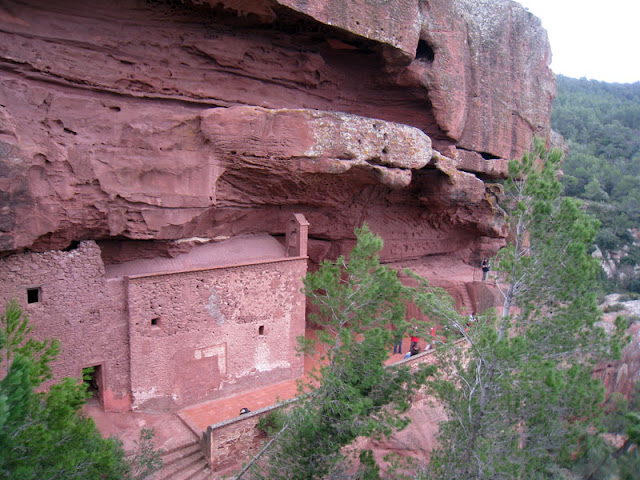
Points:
[(227, 443)]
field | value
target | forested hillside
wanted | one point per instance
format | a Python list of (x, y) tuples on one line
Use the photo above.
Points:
[(601, 123)]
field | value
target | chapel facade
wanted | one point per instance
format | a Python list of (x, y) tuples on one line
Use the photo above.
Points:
[(163, 333)]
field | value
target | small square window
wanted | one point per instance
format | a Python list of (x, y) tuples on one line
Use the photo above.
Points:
[(261, 330), (155, 322), (33, 295)]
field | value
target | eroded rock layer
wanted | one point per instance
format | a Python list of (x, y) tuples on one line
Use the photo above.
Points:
[(151, 120)]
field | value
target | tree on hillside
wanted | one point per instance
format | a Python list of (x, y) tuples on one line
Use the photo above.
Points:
[(42, 434), (600, 122), (521, 398), (618, 459), (357, 302), (545, 269)]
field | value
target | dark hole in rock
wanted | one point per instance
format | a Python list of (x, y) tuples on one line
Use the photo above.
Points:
[(424, 51)]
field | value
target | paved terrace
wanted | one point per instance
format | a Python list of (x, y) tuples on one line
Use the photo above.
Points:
[(208, 413), (172, 430)]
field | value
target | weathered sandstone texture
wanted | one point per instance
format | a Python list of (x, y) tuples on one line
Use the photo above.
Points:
[(145, 143), (80, 307), (622, 375), (152, 120), (153, 127), (166, 333)]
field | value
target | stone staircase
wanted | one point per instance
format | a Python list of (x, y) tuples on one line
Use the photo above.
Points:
[(185, 462)]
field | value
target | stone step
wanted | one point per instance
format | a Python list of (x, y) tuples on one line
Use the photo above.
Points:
[(187, 459), (205, 474), (194, 471), (181, 451), (228, 472)]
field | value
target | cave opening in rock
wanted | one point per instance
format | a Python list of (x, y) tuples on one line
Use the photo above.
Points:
[(424, 51), (489, 156), (73, 245)]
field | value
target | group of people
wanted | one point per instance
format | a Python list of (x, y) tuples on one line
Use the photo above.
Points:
[(414, 349)]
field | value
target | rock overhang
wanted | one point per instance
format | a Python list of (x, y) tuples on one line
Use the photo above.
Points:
[(132, 149), (319, 142)]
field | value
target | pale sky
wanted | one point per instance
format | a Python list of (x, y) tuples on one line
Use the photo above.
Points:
[(597, 39)]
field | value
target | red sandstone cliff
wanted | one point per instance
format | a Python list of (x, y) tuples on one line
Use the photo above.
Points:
[(143, 124), (152, 120)]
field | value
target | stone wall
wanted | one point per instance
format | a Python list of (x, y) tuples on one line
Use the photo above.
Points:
[(162, 341), (197, 334), (230, 443), (76, 305)]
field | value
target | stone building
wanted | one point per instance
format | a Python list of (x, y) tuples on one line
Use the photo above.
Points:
[(163, 333)]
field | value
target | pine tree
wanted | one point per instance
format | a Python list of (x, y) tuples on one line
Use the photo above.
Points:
[(357, 302), (521, 398), (42, 434)]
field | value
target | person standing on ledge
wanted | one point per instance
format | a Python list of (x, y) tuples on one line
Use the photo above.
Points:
[(486, 266), (397, 347)]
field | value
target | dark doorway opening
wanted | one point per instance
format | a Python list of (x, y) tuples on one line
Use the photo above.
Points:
[(92, 378)]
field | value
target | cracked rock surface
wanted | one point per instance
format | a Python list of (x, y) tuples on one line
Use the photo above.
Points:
[(158, 121)]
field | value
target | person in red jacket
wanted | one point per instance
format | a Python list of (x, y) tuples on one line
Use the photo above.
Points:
[(414, 338)]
